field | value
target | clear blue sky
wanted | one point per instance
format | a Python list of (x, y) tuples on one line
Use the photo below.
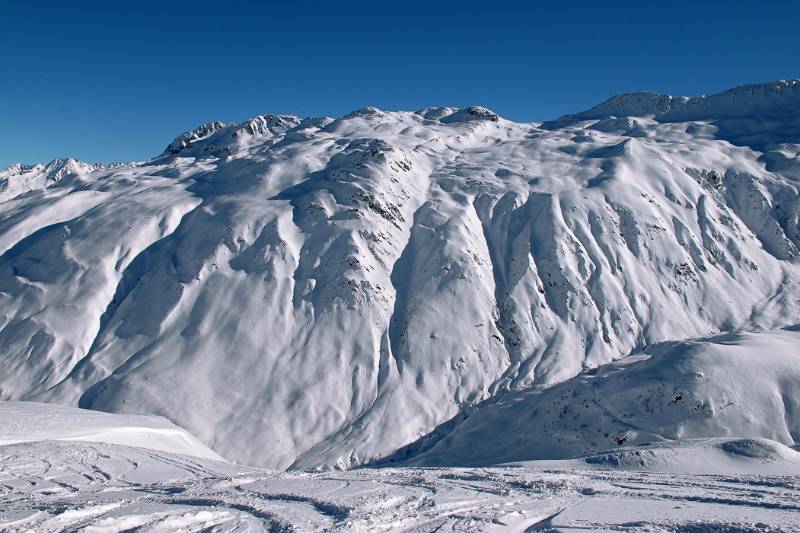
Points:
[(113, 80)]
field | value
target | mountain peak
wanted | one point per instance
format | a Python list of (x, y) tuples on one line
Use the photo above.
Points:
[(471, 114), (365, 112), (183, 140), (19, 178), (776, 98), (220, 138)]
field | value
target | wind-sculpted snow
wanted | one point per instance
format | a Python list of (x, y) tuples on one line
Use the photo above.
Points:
[(324, 292), (738, 384), (35, 422), (94, 487)]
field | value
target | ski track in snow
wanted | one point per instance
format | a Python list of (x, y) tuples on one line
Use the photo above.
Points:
[(93, 487)]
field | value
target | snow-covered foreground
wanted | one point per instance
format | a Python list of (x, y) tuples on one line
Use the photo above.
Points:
[(94, 487), (81, 484)]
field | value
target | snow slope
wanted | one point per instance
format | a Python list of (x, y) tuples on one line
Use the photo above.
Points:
[(31, 422), (743, 385), (318, 292)]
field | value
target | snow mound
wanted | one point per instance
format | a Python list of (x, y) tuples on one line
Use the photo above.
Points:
[(31, 422), (743, 385), (698, 456)]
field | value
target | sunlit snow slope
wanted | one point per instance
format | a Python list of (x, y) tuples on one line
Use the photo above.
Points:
[(324, 292), (732, 385), (35, 422)]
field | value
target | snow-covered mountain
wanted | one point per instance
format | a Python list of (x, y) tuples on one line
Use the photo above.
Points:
[(318, 292), (18, 179)]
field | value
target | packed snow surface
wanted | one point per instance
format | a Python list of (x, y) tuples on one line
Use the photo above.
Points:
[(98, 487), (324, 293)]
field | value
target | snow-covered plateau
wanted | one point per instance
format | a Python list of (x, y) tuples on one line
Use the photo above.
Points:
[(588, 323)]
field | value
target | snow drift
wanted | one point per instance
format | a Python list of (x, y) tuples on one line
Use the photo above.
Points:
[(324, 292), (35, 422)]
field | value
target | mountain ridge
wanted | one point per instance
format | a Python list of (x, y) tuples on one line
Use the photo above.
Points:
[(630, 104)]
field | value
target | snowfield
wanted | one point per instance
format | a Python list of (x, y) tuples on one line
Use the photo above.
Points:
[(97, 487), (619, 287)]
